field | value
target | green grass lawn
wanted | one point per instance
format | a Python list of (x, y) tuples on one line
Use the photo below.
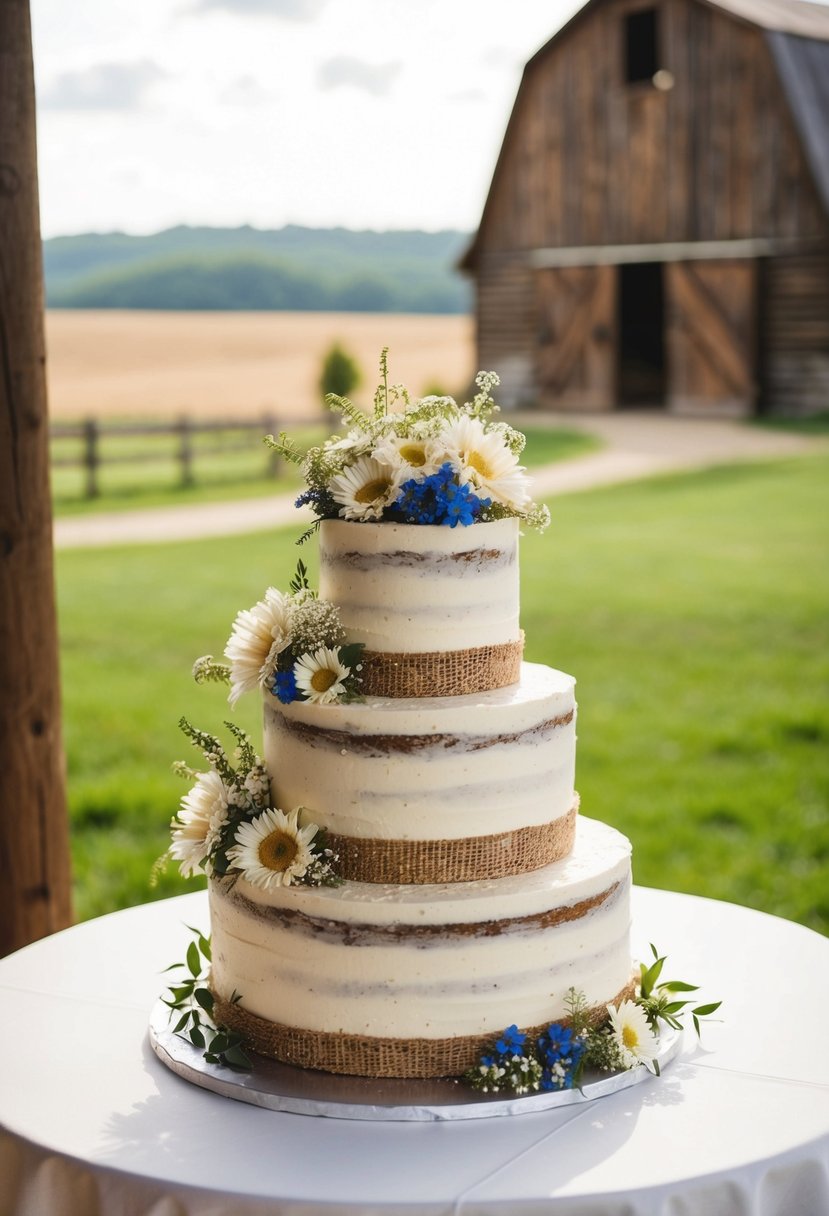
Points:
[(220, 473), (691, 608)]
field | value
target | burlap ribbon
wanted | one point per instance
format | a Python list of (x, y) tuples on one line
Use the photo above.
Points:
[(365, 1056), (441, 673), (467, 859)]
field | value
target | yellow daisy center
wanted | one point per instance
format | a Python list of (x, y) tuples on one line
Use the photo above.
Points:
[(372, 490), (322, 679), (479, 463), (413, 454), (629, 1037), (278, 850)]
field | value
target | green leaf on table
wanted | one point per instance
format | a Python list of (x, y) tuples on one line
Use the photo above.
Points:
[(193, 960)]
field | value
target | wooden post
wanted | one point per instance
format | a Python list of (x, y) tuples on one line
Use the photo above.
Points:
[(34, 837), (91, 458), (185, 450)]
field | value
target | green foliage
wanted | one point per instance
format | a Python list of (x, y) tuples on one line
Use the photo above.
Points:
[(657, 998), (193, 1001), (340, 374), (207, 671)]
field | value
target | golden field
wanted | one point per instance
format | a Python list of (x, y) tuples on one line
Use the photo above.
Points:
[(113, 364)]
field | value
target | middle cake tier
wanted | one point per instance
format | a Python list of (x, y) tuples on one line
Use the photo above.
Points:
[(445, 789)]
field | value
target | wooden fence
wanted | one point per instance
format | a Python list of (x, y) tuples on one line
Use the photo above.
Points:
[(232, 434)]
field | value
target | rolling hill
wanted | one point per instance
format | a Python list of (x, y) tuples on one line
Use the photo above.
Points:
[(291, 268)]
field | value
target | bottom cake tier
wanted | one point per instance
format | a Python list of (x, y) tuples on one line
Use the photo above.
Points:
[(415, 981)]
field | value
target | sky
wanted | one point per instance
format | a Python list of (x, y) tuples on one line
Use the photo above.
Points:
[(360, 113)]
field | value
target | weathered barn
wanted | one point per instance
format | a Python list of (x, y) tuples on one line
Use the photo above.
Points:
[(657, 228)]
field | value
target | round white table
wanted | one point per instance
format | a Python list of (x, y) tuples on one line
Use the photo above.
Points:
[(92, 1124)]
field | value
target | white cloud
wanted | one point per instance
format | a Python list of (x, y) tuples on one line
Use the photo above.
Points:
[(246, 91), (347, 70), (103, 86), (292, 10)]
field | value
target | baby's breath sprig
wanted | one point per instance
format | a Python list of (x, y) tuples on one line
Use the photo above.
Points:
[(182, 769), (482, 404), (211, 749)]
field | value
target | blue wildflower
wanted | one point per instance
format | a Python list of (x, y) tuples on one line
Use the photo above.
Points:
[(416, 502), (284, 686), (556, 1041), (511, 1041)]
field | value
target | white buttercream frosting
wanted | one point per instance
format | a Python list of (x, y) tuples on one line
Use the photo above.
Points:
[(407, 588), (347, 965), (429, 768)]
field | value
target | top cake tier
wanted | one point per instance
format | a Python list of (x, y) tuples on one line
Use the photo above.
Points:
[(436, 607)]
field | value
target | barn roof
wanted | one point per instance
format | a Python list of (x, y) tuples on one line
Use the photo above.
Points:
[(797, 32), (786, 16)]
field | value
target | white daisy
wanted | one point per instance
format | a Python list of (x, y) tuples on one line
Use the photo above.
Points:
[(413, 456), (631, 1030), (259, 635), (272, 850), (365, 488), (201, 816), (484, 459), (320, 676)]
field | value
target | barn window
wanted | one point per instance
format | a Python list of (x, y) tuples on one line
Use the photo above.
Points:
[(641, 45)]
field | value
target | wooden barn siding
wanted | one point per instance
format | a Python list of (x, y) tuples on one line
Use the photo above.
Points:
[(506, 326), (795, 335), (589, 160)]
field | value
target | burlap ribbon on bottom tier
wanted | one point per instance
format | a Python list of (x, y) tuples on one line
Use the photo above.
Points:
[(463, 860), (441, 673), (365, 1056)]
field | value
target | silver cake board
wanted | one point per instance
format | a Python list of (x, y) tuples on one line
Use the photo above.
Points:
[(302, 1091)]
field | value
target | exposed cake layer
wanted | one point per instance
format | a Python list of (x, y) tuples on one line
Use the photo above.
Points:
[(413, 588), (433, 962), (429, 769)]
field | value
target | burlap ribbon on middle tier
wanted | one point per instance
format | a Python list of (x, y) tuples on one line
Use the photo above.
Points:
[(441, 673), (467, 859)]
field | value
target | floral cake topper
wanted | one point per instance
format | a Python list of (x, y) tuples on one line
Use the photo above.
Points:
[(424, 461)]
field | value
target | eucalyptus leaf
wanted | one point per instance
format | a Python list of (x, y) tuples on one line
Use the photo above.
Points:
[(193, 960), (703, 1011), (204, 997), (237, 1058), (196, 1036), (182, 991)]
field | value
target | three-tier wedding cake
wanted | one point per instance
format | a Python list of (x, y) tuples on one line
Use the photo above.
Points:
[(416, 876)]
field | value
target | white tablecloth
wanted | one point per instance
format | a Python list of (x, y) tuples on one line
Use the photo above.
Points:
[(92, 1124)]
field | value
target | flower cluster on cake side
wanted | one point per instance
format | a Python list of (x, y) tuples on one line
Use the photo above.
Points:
[(624, 1037), (418, 461)]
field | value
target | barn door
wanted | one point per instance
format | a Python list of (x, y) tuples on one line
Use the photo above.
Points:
[(575, 344), (711, 336)]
